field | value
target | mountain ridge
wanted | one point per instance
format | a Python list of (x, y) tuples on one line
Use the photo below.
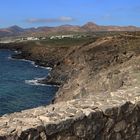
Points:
[(45, 30)]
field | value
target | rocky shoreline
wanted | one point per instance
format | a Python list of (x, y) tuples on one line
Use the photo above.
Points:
[(98, 97), (79, 70)]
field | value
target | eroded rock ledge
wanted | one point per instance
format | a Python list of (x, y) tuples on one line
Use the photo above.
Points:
[(81, 119)]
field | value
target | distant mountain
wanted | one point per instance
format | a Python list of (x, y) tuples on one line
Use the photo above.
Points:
[(88, 27), (11, 31), (16, 29), (94, 27)]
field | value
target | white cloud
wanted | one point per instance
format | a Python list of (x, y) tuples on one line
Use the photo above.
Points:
[(50, 20)]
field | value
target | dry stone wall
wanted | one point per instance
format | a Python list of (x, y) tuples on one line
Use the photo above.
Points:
[(74, 120)]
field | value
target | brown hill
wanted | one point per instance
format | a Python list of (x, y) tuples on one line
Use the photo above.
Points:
[(89, 27)]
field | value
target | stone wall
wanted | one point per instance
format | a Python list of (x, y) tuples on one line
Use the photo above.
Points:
[(74, 120)]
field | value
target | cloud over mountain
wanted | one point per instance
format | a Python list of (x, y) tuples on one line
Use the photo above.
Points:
[(50, 20)]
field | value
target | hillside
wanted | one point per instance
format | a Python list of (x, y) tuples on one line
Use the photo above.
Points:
[(106, 65), (99, 66), (44, 31)]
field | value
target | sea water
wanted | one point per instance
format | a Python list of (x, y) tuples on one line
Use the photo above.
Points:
[(19, 89)]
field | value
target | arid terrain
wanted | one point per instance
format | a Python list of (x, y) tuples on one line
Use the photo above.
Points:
[(87, 66), (101, 70), (63, 29)]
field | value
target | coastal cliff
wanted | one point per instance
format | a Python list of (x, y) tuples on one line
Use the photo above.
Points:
[(98, 96), (102, 65)]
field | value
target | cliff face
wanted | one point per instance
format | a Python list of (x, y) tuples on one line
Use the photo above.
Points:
[(102, 66), (99, 66)]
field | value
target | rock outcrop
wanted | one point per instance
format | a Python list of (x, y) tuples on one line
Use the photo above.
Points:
[(99, 67)]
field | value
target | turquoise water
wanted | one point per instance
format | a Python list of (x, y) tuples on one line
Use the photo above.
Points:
[(18, 90)]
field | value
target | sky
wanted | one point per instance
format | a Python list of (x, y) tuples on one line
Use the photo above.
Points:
[(35, 13)]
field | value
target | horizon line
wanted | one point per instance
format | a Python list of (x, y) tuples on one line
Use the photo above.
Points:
[(69, 25)]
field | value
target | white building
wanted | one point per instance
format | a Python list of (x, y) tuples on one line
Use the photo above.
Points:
[(32, 38), (61, 36)]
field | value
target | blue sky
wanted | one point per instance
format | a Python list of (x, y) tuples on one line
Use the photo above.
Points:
[(34, 13)]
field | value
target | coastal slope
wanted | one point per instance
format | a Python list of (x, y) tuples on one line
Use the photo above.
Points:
[(103, 66), (99, 93), (99, 65)]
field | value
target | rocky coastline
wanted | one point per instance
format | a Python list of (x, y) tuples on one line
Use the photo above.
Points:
[(75, 68), (100, 79)]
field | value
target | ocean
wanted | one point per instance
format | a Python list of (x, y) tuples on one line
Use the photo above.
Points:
[(18, 87)]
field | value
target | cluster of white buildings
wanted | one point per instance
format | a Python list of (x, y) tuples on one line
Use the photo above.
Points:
[(32, 38), (10, 40), (61, 36), (65, 36)]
